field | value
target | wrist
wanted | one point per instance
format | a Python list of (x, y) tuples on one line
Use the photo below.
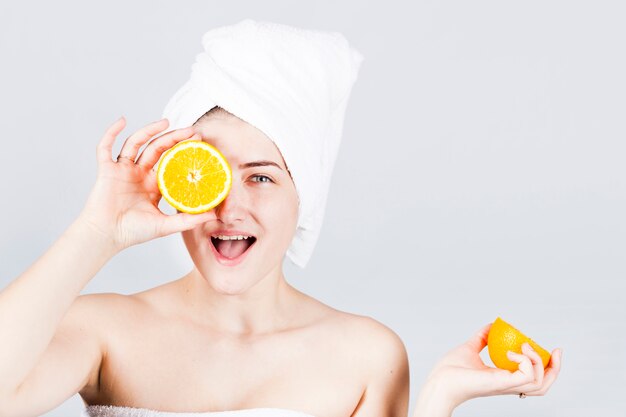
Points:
[(97, 237), (434, 400)]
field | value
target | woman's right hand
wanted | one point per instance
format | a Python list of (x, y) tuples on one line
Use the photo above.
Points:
[(123, 204), (462, 375)]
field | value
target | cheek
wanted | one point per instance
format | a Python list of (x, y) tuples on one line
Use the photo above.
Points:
[(279, 212), (289, 215), (274, 214)]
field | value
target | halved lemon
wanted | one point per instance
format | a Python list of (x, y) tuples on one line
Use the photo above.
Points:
[(194, 176), (503, 337)]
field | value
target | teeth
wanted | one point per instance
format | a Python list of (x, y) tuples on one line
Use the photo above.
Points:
[(239, 237)]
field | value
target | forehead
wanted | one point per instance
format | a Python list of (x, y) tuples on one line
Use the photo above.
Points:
[(238, 140)]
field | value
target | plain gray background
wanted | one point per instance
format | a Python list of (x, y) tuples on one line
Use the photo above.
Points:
[(481, 172)]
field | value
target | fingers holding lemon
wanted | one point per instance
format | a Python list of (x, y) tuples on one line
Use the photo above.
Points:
[(503, 337), (531, 369)]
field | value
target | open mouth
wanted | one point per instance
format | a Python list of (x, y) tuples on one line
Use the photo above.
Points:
[(232, 247)]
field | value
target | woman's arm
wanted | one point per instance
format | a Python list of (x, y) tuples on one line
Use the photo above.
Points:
[(32, 306), (458, 377), (432, 400), (121, 211), (386, 365)]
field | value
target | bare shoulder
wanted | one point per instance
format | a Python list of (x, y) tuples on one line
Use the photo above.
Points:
[(122, 302), (367, 340), (95, 303), (377, 358), (101, 311), (122, 314), (375, 339)]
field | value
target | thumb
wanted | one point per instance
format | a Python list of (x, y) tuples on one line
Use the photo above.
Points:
[(184, 221), (479, 340)]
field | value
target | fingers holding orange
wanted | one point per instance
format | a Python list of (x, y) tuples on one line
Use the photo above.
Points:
[(537, 361), (503, 338), (152, 153), (479, 340), (530, 375), (184, 221), (533, 368), (521, 367), (550, 375), (525, 374), (131, 146), (554, 367), (105, 147)]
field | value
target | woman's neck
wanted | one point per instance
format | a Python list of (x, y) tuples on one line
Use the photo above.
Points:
[(266, 307)]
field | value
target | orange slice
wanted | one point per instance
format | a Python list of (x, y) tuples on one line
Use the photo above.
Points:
[(503, 337), (194, 176)]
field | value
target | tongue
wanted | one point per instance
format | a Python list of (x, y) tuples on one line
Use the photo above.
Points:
[(232, 248)]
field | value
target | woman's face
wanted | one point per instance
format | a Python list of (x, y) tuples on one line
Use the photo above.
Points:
[(262, 204)]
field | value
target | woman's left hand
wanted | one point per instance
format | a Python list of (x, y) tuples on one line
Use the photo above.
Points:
[(465, 376)]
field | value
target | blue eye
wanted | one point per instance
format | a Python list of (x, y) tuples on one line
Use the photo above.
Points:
[(262, 178)]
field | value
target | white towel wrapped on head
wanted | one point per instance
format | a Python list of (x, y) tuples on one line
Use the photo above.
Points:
[(293, 84)]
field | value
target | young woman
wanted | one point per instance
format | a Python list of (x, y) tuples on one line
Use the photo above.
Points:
[(231, 337)]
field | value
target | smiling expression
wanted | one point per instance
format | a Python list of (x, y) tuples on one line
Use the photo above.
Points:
[(262, 205)]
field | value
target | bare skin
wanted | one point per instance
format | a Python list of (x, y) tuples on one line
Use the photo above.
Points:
[(316, 363), (219, 338)]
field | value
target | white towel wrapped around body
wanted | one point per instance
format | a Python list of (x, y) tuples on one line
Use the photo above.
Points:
[(119, 411), (293, 84)]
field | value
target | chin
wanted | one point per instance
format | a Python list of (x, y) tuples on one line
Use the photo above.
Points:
[(228, 285), (228, 290)]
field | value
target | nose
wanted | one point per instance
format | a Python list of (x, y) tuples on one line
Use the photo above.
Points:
[(233, 208)]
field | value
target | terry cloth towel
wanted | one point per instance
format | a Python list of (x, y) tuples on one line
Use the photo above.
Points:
[(292, 84), (118, 411)]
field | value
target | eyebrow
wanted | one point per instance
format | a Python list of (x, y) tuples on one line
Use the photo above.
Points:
[(259, 164)]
